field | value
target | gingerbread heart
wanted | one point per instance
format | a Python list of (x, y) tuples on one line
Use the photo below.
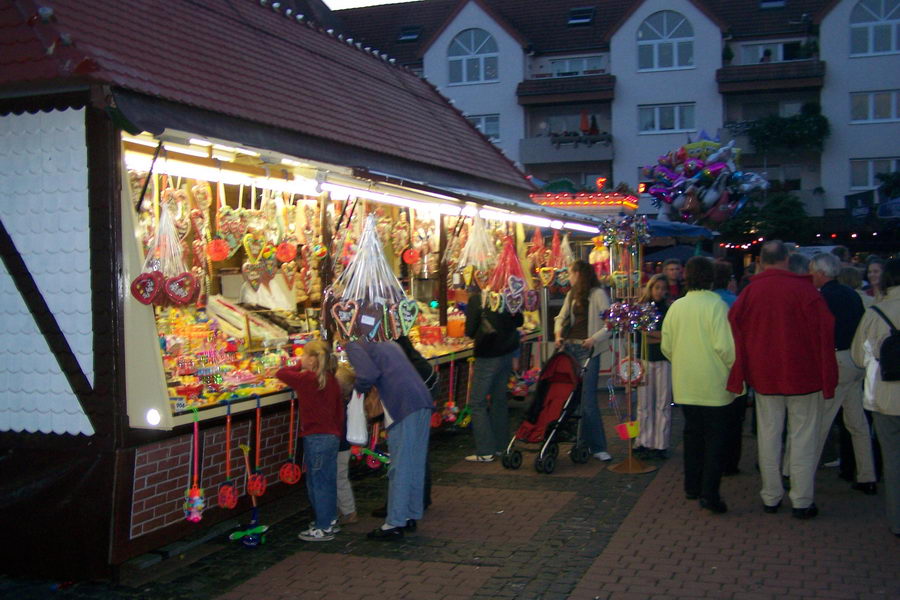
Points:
[(562, 277), (513, 300), (232, 228), (368, 321), (344, 313), (407, 311), (531, 300), (202, 196), (546, 275), (289, 270), (391, 327), (252, 272), (199, 257), (270, 269), (146, 287), (481, 278), (467, 274), (181, 288), (516, 285), (200, 219), (495, 301), (254, 244)]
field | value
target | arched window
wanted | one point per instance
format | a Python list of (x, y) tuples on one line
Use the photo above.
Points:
[(875, 27), (473, 57), (665, 41)]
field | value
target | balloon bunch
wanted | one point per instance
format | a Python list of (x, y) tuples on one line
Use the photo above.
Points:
[(627, 231), (631, 317), (701, 182)]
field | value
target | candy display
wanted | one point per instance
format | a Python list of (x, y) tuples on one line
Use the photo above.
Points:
[(506, 286), (479, 256)]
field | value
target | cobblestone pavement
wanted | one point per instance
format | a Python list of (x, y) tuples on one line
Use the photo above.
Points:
[(583, 532)]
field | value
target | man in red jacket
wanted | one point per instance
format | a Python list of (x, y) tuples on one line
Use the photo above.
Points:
[(784, 345)]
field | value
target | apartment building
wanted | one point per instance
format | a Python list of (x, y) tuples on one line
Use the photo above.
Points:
[(577, 90)]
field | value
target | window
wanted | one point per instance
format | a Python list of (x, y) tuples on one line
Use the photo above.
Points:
[(863, 171), (875, 106), (473, 57), (773, 52), (581, 16), (409, 34), (666, 118), (875, 27), (573, 67), (665, 41), (489, 125), (772, 3)]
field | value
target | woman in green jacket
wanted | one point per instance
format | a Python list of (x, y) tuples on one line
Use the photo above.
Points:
[(696, 338)]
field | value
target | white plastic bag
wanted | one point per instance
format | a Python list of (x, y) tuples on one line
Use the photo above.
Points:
[(357, 433)]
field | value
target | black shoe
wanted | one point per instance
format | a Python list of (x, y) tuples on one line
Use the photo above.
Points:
[(394, 533), (380, 513), (410, 525), (716, 506), (805, 513), (869, 488), (771, 509)]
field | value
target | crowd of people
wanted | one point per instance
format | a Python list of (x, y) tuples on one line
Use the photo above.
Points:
[(802, 337)]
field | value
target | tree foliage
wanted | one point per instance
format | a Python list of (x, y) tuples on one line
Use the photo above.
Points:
[(777, 216)]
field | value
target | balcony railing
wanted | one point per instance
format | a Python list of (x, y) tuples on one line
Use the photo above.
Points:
[(566, 89), (562, 148), (773, 76)]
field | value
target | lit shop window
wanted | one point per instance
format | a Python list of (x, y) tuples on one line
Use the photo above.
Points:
[(665, 41), (473, 57), (875, 106), (863, 171), (666, 118), (875, 27), (489, 125)]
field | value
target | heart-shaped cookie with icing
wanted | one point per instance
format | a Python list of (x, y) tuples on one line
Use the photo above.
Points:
[(407, 311), (146, 287), (513, 300), (495, 301), (254, 244), (546, 275), (531, 300), (181, 288), (252, 272), (516, 284), (289, 270), (344, 313)]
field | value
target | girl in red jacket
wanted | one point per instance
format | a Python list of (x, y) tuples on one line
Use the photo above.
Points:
[(322, 417)]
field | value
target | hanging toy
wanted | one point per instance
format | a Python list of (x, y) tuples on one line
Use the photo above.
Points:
[(194, 500), (464, 418), (228, 496), (256, 482), (450, 408), (252, 534), (290, 472)]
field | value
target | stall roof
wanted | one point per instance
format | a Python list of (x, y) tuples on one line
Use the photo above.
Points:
[(247, 60), (673, 229)]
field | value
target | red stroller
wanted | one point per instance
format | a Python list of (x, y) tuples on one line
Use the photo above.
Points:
[(555, 406)]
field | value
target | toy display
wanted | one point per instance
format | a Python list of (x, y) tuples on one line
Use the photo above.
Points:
[(290, 472), (195, 500), (228, 495)]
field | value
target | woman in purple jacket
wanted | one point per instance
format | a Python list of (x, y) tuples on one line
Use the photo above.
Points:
[(407, 416)]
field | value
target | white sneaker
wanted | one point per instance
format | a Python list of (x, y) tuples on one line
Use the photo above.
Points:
[(314, 534), (480, 458), (832, 464), (604, 456), (335, 527)]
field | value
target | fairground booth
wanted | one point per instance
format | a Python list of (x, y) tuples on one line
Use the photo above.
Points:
[(185, 185)]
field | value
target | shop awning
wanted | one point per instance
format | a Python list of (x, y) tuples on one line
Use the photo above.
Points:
[(672, 229)]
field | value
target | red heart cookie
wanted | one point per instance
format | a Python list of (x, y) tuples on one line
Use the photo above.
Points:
[(146, 287), (181, 288)]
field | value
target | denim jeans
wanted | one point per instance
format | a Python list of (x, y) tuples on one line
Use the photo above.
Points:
[(592, 434), (320, 452), (490, 423), (408, 446)]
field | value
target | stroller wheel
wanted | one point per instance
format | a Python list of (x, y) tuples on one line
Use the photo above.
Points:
[(552, 450), (504, 460), (579, 455), (515, 459), (545, 465)]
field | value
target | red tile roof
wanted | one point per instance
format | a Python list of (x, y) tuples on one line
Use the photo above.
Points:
[(244, 60), (543, 23)]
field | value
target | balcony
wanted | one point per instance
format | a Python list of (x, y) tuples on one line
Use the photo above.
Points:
[(771, 77), (566, 90), (565, 148)]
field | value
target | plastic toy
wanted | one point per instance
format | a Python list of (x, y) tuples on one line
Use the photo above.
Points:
[(256, 482), (290, 472), (252, 534), (194, 500), (228, 496)]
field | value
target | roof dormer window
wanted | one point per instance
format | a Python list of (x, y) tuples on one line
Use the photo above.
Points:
[(581, 16), (409, 34), (772, 3)]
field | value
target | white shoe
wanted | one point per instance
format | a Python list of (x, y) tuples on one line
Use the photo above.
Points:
[(335, 527), (314, 534), (480, 458), (834, 463), (604, 456)]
